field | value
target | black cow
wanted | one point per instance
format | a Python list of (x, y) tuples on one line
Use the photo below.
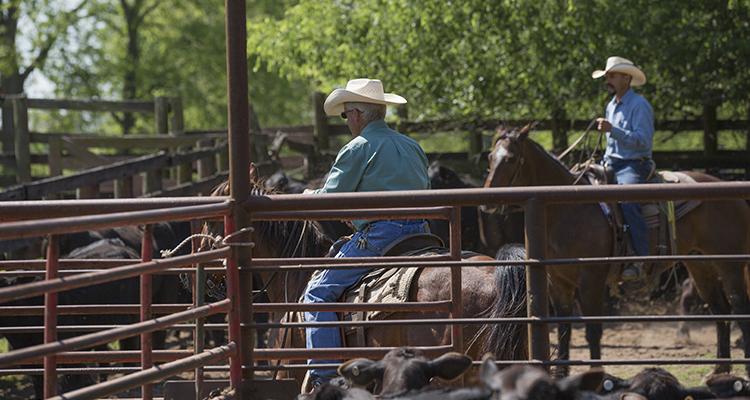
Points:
[(403, 370), (653, 384)]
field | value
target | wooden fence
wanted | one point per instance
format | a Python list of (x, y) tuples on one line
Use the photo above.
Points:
[(177, 161), (169, 171)]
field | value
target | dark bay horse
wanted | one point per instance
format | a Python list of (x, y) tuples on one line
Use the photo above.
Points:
[(582, 230), (486, 292)]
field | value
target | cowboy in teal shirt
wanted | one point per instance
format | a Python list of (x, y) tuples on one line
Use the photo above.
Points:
[(379, 159), (376, 159)]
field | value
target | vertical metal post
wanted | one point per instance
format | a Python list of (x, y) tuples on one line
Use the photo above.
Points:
[(50, 319), (536, 278), (199, 284), (239, 180), (147, 252), (457, 306)]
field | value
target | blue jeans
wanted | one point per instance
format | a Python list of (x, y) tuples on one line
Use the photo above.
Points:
[(328, 287), (627, 172)]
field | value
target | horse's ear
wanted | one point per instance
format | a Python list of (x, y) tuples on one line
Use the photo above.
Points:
[(524, 132), (253, 172)]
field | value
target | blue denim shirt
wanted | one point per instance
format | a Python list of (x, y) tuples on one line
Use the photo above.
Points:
[(632, 134), (379, 159)]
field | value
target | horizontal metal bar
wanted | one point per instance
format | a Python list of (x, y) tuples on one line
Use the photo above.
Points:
[(150, 375), (93, 264), (511, 195), (308, 264), (70, 371), (392, 307), (68, 272), (94, 309), (97, 328), (338, 354), (272, 264), (509, 320), (34, 289), (73, 357), (644, 361), (35, 228), (38, 209), (366, 214), (97, 338)]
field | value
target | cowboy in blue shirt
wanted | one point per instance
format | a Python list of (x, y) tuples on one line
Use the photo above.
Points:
[(629, 123), (376, 159)]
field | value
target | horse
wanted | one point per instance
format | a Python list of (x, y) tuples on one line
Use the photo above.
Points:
[(503, 297), (582, 230)]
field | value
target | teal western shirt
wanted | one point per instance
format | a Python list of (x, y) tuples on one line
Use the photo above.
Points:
[(379, 159)]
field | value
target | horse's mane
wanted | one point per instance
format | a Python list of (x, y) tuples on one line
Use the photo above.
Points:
[(296, 238), (556, 161)]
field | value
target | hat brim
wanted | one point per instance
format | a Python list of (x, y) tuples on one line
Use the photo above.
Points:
[(334, 104), (639, 78)]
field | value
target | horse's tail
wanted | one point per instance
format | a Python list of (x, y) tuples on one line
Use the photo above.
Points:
[(507, 341)]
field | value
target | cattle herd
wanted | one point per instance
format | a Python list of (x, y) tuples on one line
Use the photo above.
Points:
[(405, 373)]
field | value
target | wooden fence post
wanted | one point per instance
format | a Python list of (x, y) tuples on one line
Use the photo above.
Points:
[(223, 157), (710, 131), (747, 142), (8, 126), (320, 124), (55, 155), (177, 128), (559, 131), (476, 142), (152, 180), (206, 166), (21, 139), (124, 188)]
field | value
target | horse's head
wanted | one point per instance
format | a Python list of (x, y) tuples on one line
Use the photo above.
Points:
[(506, 160)]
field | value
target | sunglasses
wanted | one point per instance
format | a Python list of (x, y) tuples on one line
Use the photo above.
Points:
[(343, 114)]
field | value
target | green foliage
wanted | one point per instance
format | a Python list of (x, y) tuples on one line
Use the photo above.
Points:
[(517, 58), (181, 53)]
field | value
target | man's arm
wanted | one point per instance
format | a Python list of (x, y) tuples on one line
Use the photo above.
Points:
[(347, 170)]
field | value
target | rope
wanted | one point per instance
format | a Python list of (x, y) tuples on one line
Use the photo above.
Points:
[(580, 138), (214, 239)]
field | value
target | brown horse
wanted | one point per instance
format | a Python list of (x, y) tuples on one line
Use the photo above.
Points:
[(582, 230), (486, 292)]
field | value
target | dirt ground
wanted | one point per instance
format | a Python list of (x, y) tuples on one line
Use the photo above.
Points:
[(657, 340)]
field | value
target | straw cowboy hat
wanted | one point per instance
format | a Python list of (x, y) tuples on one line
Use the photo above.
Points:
[(360, 91), (625, 66)]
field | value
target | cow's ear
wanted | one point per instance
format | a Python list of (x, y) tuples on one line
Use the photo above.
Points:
[(632, 396), (488, 371), (588, 381), (449, 366), (361, 371)]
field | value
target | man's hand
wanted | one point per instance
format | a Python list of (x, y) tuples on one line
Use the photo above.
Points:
[(603, 125), (308, 191)]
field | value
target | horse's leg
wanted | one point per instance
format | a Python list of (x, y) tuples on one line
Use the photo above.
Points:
[(709, 288), (592, 291), (732, 278), (563, 295)]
